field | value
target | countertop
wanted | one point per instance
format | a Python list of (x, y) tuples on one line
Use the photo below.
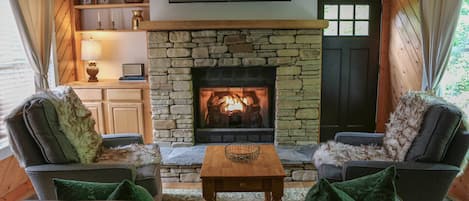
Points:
[(109, 84)]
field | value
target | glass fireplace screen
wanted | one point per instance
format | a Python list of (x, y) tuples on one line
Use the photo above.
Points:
[(234, 107)]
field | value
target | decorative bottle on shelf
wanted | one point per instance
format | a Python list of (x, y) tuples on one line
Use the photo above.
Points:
[(136, 18)]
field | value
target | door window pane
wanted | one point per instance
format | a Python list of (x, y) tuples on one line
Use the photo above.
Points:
[(346, 28), (331, 12), (332, 29), (361, 28), (362, 12), (346, 12)]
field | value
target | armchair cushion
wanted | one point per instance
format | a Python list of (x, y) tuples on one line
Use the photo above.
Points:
[(440, 124), (330, 172), (76, 122), (359, 138), (405, 123), (115, 140), (24, 147), (43, 123)]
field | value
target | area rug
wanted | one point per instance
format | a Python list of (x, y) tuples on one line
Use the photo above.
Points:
[(290, 194)]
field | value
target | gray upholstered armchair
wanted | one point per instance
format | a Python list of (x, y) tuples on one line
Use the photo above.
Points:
[(30, 155), (421, 176)]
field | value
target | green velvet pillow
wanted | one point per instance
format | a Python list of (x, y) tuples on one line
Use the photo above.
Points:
[(127, 190), (323, 190), (378, 186), (82, 190)]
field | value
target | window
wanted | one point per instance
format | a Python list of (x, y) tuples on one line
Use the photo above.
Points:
[(347, 19), (455, 82), (16, 76)]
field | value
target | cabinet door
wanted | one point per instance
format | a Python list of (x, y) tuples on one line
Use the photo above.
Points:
[(125, 117), (96, 109)]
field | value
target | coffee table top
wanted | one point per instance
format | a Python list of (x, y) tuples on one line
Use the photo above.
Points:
[(216, 164)]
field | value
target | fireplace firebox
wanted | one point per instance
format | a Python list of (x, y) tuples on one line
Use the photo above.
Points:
[(234, 104)]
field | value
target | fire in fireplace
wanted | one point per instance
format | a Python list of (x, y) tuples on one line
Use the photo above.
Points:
[(234, 104), (234, 107)]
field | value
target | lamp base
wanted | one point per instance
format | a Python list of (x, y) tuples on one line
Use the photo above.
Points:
[(92, 72)]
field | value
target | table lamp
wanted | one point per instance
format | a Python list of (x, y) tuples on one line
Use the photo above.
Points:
[(91, 51)]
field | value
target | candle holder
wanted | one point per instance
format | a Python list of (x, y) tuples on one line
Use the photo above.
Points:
[(100, 25)]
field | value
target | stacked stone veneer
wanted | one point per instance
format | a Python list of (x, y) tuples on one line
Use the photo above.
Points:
[(191, 173), (295, 53)]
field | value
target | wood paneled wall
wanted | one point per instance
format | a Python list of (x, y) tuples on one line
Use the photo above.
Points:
[(401, 57), (12, 178), (65, 37), (405, 56)]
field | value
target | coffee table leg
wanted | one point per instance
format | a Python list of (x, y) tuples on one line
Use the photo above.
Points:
[(208, 190), (268, 196), (277, 189)]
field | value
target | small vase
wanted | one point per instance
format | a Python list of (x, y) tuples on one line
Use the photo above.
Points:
[(136, 19)]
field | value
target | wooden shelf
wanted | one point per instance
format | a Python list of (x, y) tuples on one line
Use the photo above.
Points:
[(122, 5), (233, 24), (110, 30), (109, 83)]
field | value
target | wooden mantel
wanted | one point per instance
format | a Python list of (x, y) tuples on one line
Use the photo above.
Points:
[(232, 24)]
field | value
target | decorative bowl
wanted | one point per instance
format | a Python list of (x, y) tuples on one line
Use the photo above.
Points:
[(242, 153)]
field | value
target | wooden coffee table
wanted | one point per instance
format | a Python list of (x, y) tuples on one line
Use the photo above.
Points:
[(219, 174)]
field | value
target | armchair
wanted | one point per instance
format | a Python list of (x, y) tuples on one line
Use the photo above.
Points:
[(419, 177), (30, 153)]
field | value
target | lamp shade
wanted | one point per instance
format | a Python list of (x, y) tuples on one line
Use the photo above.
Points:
[(90, 50)]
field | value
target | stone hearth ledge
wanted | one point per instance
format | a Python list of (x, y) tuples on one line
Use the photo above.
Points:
[(232, 24)]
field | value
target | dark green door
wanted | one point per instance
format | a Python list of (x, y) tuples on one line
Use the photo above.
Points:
[(350, 65)]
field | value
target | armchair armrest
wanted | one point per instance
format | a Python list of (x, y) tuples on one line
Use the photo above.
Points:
[(359, 138), (41, 175), (354, 169), (414, 181), (114, 140)]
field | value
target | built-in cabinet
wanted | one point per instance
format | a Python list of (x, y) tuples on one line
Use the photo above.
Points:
[(97, 112), (117, 107)]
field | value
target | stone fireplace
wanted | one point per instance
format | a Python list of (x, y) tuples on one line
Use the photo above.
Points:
[(198, 89)]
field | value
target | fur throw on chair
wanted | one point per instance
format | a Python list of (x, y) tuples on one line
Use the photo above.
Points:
[(404, 125), (136, 154)]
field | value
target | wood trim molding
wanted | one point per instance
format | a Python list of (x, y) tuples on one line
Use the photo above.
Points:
[(233, 24), (384, 101)]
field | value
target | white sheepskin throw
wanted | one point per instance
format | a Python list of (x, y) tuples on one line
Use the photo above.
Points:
[(76, 122), (337, 154), (137, 154), (404, 123), (403, 127)]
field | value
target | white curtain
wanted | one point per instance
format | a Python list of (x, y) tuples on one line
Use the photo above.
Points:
[(439, 20), (34, 19)]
